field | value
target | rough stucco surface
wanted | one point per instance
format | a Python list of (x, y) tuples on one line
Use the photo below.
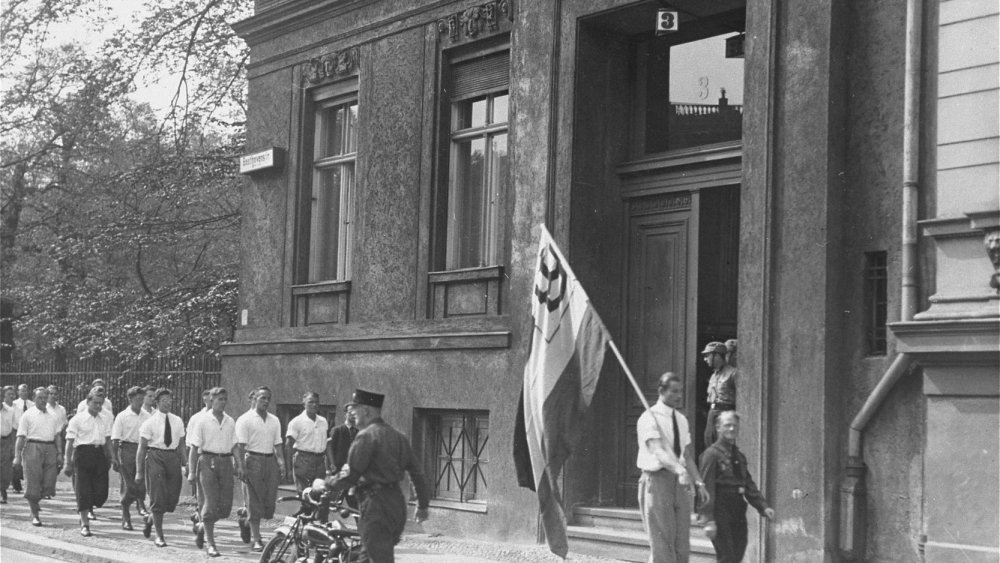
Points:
[(264, 202), (390, 108)]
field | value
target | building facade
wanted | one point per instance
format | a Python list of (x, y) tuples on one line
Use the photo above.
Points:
[(815, 178)]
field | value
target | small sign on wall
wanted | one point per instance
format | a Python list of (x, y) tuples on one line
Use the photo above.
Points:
[(268, 159), (666, 21), (734, 46)]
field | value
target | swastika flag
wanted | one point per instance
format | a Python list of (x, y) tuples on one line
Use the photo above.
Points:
[(567, 351)]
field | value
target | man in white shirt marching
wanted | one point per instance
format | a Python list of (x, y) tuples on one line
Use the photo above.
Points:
[(37, 451), (24, 401), (88, 458), (258, 434), (160, 457), (212, 456), (306, 437), (206, 399), (9, 417), (124, 447), (668, 473), (105, 401)]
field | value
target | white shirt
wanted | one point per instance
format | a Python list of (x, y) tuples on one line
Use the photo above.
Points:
[(213, 436), (194, 420), (85, 429), (259, 436), (82, 407), (127, 423), (60, 412), (9, 417), (309, 435), (648, 429), (152, 430), (22, 405), (38, 425)]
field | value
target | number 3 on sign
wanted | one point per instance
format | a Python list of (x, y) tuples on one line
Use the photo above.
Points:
[(666, 21)]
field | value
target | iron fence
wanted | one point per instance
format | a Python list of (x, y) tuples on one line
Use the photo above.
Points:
[(185, 377)]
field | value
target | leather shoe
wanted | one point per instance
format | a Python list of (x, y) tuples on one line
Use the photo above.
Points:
[(85, 532), (36, 522), (211, 551), (127, 525), (91, 515), (160, 542), (147, 528), (257, 546)]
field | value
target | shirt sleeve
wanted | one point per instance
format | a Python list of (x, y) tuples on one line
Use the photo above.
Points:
[(194, 433), (707, 467), (751, 492), (242, 436), (146, 429), (22, 426), (646, 428), (116, 428), (293, 429), (416, 477), (72, 430), (360, 454), (180, 423), (277, 441)]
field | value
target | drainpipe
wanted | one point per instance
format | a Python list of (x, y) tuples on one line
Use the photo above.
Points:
[(853, 508)]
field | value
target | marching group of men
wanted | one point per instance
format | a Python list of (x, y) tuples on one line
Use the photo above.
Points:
[(153, 451)]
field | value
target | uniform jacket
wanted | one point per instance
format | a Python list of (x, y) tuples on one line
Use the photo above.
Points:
[(724, 468)]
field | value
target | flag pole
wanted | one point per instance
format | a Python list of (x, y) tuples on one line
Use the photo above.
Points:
[(628, 372)]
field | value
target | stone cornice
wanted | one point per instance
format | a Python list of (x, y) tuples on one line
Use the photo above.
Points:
[(290, 16), (388, 343), (966, 338)]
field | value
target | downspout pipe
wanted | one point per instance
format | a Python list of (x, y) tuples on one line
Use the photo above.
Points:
[(853, 493)]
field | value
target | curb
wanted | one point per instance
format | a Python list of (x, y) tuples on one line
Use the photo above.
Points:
[(48, 547)]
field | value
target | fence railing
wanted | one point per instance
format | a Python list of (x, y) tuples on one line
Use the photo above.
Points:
[(185, 377)]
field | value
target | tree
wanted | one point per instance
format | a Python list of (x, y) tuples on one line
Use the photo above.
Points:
[(119, 226)]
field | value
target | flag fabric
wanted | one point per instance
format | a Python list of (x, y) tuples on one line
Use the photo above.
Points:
[(567, 350)]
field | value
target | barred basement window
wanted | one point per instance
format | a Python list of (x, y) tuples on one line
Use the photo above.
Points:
[(458, 451), (876, 303)]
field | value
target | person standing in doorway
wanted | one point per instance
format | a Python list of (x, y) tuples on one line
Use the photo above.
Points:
[(721, 386), (9, 417), (305, 439), (88, 458), (258, 434), (212, 457), (160, 457), (39, 442), (730, 487), (124, 447), (668, 474), (376, 464)]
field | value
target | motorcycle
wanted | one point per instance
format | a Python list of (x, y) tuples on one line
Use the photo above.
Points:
[(323, 530)]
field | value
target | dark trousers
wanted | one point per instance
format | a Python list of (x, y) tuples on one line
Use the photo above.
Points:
[(215, 483), (90, 477), (163, 480), (130, 490), (6, 462), (306, 467), (383, 517), (731, 520)]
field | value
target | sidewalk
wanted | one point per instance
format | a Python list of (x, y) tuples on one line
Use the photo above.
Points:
[(59, 537)]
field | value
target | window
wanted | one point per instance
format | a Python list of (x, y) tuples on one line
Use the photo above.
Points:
[(477, 161), (690, 84), (334, 153), (456, 454), (876, 283)]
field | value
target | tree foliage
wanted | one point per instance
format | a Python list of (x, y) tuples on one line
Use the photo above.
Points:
[(119, 226)]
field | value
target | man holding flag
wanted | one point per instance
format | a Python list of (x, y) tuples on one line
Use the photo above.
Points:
[(567, 350)]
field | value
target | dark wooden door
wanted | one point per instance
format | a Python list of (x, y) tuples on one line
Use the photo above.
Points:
[(660, 307)]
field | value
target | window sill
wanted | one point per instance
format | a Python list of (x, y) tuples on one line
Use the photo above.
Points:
[(478, 507), (469, 292), (321, 303)]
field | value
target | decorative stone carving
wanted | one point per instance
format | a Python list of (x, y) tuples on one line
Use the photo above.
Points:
[(992, 242), (661, 202), (472, 22), (335, 65)]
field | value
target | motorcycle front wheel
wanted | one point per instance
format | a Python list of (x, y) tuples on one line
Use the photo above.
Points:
[(281, 549)]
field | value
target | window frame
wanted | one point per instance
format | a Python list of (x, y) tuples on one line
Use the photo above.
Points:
[(318, 101), (445, 238), (438, 462)]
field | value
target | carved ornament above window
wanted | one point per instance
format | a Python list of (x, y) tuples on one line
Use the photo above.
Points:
[(477, 20), (334, 65)]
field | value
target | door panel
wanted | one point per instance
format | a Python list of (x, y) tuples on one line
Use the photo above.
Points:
[(657, 315)]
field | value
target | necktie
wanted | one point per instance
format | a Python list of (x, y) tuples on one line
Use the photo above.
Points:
[(677, 442), (167, 438)]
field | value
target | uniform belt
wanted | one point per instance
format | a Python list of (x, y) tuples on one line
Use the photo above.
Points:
[(729, 489), (126, 442), (260, 454), (89, 445), (7, 437), (310, 453), (33, 441), (213, 454), (162, 449), (723, 406)]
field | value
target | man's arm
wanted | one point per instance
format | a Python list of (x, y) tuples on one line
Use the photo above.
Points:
[(699, 486), (670, 461), (289, 448), (59, 448), (18, 448), (70, 452), (706, 510)]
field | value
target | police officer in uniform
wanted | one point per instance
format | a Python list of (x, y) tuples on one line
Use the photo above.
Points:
[(377, 459), (721, 387), (730, 486)]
